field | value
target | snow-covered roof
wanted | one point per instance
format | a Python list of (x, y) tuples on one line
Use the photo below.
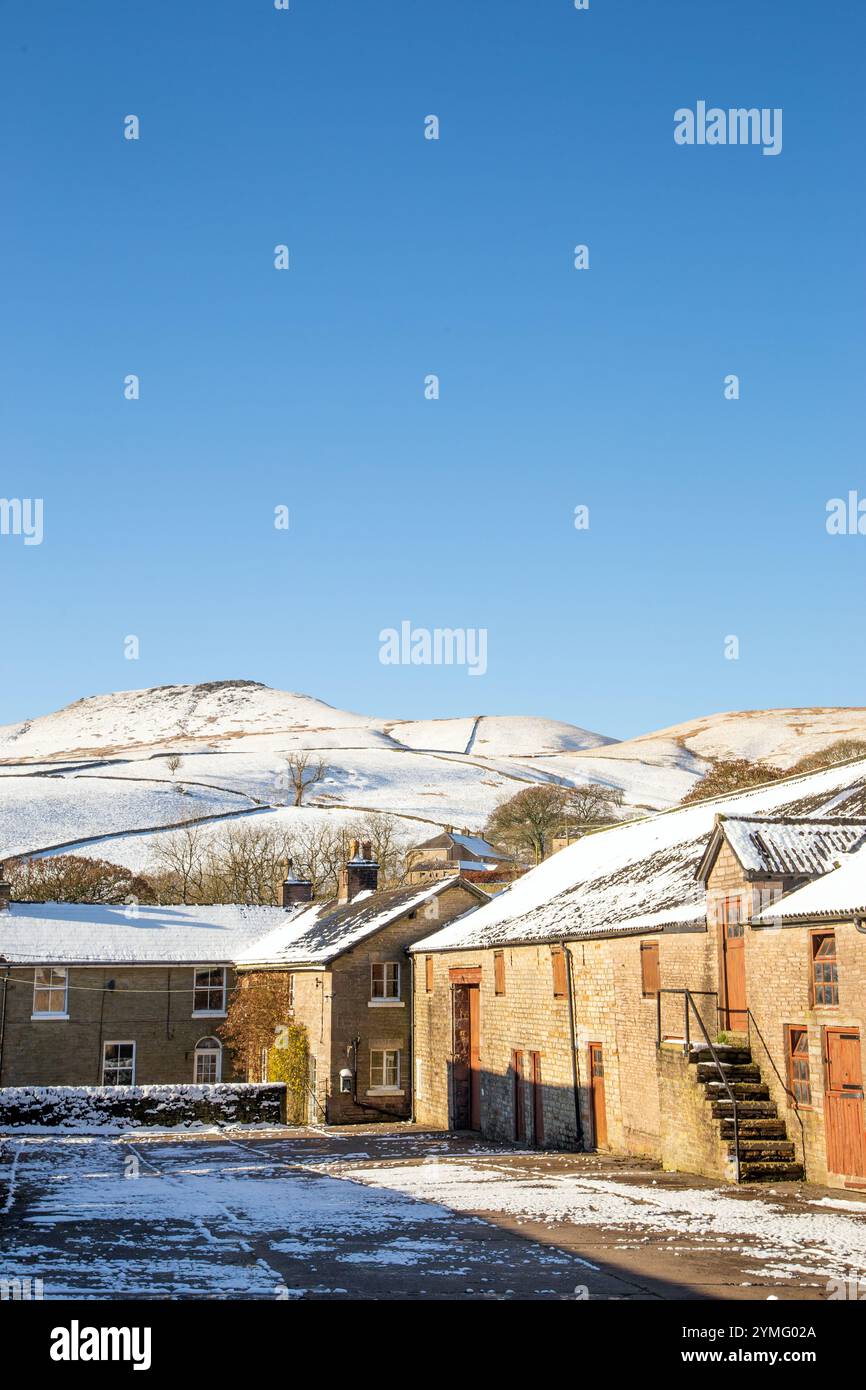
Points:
[(639, 876), (317, 933), (88, 934), (837, 894), (779, 847)]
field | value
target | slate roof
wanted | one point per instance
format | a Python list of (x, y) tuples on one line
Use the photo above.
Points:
[(639, 876), (474, 845), (784, 847), (317, 933), (839, 893), (91, 934)]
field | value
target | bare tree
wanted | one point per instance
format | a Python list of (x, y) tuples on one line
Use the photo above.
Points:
[(173, 762), (179, 861), (303, 772), (527, 822)]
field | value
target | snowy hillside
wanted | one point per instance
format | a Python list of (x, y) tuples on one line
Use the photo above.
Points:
[(97, 774)]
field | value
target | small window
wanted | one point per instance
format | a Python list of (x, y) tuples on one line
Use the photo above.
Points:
[(799, 1079), (118, 1064), (499, 972), (50, 992), (560, 977), (385, 981), (209, 991), (207, 1068), (291, 991), (385, 1070), (428, 974), (825, 974), (650, 974), (264, 1061)]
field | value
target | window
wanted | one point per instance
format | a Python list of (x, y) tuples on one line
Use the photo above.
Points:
[(560, 977), (264, 1057), (291, 991), (799, 1080), (428, 974), (49, 992), (385, 1070), (118, 1064), (385, 981), (209, 991), (825, 975), (499, 972), (650, 974), (207, 1069)]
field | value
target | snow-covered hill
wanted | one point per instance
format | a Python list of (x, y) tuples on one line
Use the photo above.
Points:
[(97, 774)]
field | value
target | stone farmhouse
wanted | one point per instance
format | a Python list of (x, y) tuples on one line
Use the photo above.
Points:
[(350, 983), (678, 987), (103, 996), (450, 853)]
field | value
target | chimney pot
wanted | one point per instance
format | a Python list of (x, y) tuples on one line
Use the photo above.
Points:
[(296, 890)]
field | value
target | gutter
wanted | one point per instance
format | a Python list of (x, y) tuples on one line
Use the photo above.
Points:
[(578, 1129)]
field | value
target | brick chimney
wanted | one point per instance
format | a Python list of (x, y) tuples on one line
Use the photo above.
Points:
[(5, 890), (295, 890), (360, 872)]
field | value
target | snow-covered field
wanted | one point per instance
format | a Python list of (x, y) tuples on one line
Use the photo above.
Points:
[(99, 768)]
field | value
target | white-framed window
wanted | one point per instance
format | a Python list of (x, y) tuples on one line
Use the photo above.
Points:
[(209, 991), (50, 991), (385, 1069), (264, 1056), (118, 1064), (208, 1065), (385, 981), (291, 991)]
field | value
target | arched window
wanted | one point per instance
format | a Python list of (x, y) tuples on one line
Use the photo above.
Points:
[(208, 1061)]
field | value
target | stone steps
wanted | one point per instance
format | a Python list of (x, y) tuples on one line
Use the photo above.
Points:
[(766, 1152)]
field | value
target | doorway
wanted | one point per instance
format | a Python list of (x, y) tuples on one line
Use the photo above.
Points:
[(843, 1102), (599, 1110), (733, 930), (466, 1110)]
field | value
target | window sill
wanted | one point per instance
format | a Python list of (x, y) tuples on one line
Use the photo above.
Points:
[(385, 1004), (385, 1091), (56, 1018), (208, 1013)]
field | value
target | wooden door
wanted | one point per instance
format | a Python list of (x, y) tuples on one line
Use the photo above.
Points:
[(519, 1109), (734, 965), (537, 1099), (599, 1113), (466, 1066), (843, 1102)]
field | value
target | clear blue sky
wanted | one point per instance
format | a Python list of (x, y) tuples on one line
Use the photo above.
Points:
[(409, 257)]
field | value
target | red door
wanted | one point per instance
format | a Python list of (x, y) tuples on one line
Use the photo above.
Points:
[(537, 1100), (599, 1112), (843, 1103), (734, 964), (466, 1067)]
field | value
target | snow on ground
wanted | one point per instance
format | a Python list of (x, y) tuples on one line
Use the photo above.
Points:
[(310, 1213), (780, 736), (828, 1244), (39, 812)]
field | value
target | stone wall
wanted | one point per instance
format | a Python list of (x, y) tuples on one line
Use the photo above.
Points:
[(123, 1107)]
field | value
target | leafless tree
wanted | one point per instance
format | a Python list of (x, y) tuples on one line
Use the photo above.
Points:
[(304, 771)]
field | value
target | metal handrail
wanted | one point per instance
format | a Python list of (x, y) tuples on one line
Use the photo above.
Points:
[(688, 1002)]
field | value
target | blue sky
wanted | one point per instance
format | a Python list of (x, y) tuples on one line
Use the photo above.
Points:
[(408, 257)]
